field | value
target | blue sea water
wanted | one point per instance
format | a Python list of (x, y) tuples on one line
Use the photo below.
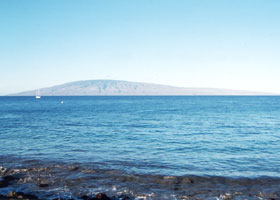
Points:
[(226, 136), (201, 135)]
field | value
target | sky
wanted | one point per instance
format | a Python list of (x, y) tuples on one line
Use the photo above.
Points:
[(187, 43)]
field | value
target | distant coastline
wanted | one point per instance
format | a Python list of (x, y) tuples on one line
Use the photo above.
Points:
[(126, 88)]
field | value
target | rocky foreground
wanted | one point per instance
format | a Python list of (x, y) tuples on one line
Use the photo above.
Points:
[(66, 182), (23, 196), (9, 180)]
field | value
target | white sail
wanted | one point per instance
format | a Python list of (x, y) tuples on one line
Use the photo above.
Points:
[(38, 96)]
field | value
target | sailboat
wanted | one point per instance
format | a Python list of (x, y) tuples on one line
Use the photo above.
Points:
[(38, 96)]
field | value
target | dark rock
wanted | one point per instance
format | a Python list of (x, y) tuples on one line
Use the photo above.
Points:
[(121, 197), (9, 178), (43, 185), (4, 184), (74, 168), (3, 169), (30, 197), (187, 180), (101, 196), (3, 197), (6, 181), (21, 195), (124, 197), (85, 197), (176, 188)]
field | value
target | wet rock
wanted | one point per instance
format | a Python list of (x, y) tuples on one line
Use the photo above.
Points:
[(9, 178), (42, 185), (85, 197), (11, 194), (176, 188), (2, 197), (187, 180), (101, 196), (21, 195), (5, 182), (74, 168), (62, 199), (123, 197), (3, 169)]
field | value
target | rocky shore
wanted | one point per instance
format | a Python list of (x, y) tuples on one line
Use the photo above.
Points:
[(9, 180), (76, 182), (23, 196)]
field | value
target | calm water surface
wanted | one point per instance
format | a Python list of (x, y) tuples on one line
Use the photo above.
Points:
[(225, 136)]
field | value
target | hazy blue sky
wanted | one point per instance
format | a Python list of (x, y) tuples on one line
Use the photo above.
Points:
[(190, 43)]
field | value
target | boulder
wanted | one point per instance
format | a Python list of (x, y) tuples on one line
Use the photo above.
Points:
[(101, 196)]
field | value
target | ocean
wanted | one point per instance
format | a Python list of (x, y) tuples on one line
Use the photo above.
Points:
[(142, 147)]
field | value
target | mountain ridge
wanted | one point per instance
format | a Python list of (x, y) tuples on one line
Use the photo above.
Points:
[(103, 87)]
